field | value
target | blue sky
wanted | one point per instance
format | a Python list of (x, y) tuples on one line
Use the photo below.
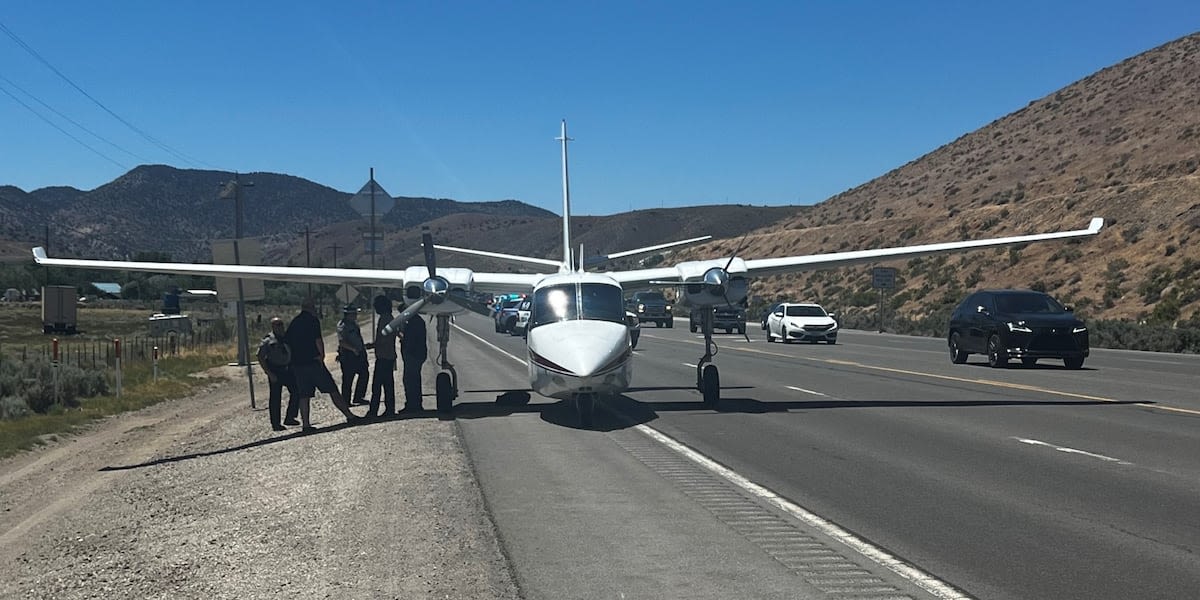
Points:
[(670, 103)]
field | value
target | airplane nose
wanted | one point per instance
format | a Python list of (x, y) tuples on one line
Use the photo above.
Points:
[(580, 347)]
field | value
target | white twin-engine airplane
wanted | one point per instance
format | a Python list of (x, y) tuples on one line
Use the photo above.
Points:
[(578, 340)]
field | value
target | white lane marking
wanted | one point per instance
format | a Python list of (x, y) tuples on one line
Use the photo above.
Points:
[(800, 389), (1157, 362), (1072, 450), (688, 365), (910, 572)]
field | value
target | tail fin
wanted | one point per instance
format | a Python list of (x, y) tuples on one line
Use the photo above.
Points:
[(568, 261)]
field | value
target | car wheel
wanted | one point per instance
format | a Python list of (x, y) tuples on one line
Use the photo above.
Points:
[(831, 342), (1073, 363), (1028, 361), (783, 335), (997, 359), (741, 330), (670, 323), (692, 327), (957, 356)]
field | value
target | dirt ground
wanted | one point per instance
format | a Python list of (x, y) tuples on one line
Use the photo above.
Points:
[(198, 498)]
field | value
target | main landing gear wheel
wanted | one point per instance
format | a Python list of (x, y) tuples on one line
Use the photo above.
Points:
[(710, 386), (585, 406), (445, 393)]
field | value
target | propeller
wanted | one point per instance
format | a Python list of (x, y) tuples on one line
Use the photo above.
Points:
[(717, 279), (434, 289)]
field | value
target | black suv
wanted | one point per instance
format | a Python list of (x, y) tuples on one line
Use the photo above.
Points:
[(1016, 324), (651, 306), (728, 317)]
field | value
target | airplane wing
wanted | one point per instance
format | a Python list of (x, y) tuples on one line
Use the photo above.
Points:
[(694, 270), (492, 283)]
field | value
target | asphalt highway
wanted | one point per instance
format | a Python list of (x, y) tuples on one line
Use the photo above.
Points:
[(873, 468)]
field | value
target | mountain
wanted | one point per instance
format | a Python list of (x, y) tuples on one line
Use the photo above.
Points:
[(179, 211)]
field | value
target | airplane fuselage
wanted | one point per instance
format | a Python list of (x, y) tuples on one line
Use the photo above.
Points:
[(578, 341)]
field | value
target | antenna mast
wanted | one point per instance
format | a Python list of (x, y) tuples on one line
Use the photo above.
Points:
[(567, 260)]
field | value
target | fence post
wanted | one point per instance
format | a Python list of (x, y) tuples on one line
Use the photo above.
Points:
[(156, 363), (117, 354), (54, 370)]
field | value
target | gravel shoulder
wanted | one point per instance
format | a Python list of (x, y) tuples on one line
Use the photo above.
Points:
[(198, 498)]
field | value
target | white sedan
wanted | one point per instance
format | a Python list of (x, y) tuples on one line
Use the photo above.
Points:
[(801, 321)]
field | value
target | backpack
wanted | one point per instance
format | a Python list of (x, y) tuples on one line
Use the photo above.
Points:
[(275, 352)]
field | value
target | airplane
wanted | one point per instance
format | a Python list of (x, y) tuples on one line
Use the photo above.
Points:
[(578, 341)]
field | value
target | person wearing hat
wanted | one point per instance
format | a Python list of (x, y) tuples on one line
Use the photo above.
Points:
[(352, 354), (303, 337), (275, 358)]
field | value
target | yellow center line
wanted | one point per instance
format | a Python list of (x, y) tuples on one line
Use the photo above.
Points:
[(990, 382)]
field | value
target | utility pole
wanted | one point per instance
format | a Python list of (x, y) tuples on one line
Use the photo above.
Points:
[(243, 336), (335, 249), (373, 249), (307, 258)]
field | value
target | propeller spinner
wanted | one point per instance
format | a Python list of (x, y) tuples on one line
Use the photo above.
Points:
[(434, 290)]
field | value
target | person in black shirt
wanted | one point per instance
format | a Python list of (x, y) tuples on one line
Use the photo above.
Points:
[(308, 363), (414, 350), (385, 362)]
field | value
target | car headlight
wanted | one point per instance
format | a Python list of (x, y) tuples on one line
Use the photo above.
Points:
[(1019, 326), (668, 308), (834, 328), (641, 308), (1079, 329)]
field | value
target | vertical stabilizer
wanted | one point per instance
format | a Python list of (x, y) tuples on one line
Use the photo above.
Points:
[(568, 263)]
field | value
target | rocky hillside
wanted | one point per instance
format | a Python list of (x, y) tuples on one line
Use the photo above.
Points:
[(1123, 144)]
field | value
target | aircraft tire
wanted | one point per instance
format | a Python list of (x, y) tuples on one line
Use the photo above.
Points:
[(445, 393), (710, 386)]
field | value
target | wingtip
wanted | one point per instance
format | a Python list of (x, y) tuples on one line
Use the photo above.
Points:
[(39, 254), (1096, 224)]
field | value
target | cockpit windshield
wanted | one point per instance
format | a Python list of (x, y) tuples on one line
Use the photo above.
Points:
[(569, 302)]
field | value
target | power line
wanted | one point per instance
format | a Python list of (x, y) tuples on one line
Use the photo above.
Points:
[(64, 131), (131, 126), (72, 121)]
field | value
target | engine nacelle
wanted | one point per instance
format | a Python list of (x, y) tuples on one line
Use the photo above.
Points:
[(715, 288)]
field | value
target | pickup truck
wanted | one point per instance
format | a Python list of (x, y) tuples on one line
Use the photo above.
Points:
[(728, 317), (651, 306)]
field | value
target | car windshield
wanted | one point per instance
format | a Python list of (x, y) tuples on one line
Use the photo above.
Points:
[(651, 296), (805, 311), (568, 302), (1028, 303)]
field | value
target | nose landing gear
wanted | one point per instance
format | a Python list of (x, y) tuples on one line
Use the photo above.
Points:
[(708, 380)]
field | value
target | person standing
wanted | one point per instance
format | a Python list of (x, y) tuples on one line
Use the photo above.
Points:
[(352, 354), (303, 336), (385, 361), (275, 358), (414, 350)]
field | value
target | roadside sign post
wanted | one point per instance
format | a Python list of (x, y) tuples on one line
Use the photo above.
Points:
[(54, 369), (372, 201), (883, 278), (117, 354)]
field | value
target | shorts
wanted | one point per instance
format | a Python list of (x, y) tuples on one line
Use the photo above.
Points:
[(312, 377)]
